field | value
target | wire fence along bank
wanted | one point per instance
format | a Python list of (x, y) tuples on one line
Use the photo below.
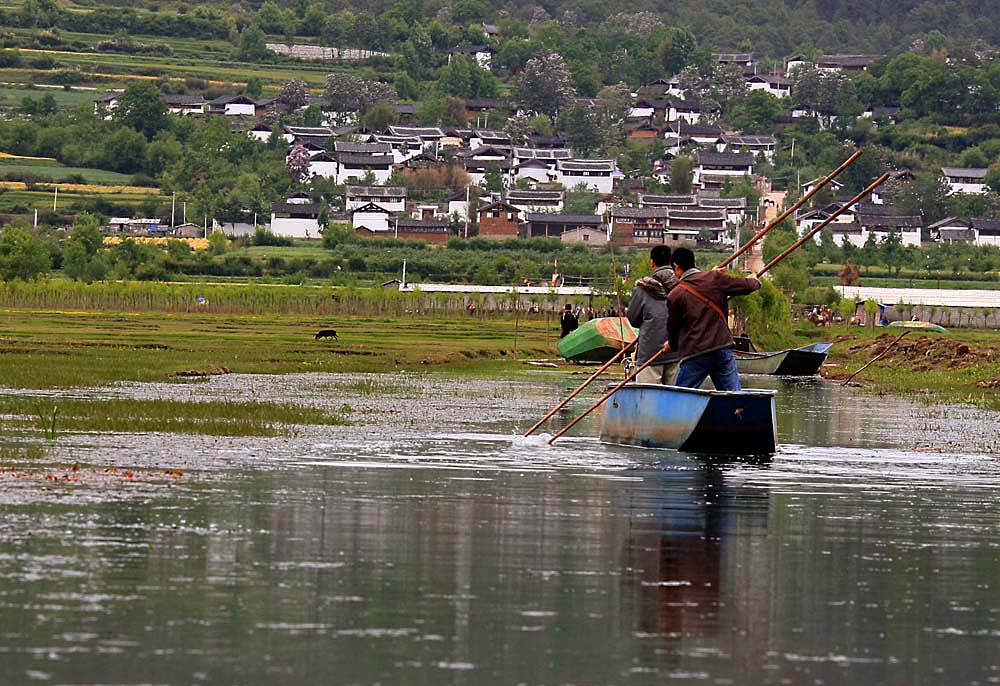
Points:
[(262, 299)]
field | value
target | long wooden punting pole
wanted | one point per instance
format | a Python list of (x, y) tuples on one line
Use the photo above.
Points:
[(819, 227), (610, 393), (780, 218), (586, 383), (876, 358)]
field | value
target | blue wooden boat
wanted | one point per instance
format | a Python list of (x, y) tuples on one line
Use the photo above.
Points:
[(692, 419)]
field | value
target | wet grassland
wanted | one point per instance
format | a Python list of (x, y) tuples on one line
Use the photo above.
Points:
[(48, 356)]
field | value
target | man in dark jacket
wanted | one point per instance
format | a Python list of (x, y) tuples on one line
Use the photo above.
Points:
[(568, 321), (647, 310), (698, 322)]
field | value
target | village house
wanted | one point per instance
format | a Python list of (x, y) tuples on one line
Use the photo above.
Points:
[(713, 169), (636, 226), (133, 227), (588, 235), (554, 225), (428, 135), (483, 54), (499, 220), (535, 172), (296, 219), (734, 209), (185, 104), (683, 110), (965, 179), (323, 165), (535, 201), (105, 104), (846, 63), (695, 224), (478, 110), (596, 175), (758, 145), (402, 148), (430, 230), (657, 200), (372, 217), (308, 135), (458, 204), (774, 84), (232, 106), (390, 198), (353, 167), (743, 60)]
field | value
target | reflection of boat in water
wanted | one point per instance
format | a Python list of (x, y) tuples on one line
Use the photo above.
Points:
[(692, 419), (597, 340), (803, 361)]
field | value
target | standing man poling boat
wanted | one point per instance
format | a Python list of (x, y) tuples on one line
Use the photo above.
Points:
[(647, 310), (698, 322)]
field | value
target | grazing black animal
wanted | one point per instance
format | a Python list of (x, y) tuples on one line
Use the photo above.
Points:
[(327, 333)]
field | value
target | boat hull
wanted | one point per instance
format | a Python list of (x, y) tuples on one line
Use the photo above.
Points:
[(597, 340), (804, 361), (692, 419)]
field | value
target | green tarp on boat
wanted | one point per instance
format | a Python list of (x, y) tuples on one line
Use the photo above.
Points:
[(597, 340)]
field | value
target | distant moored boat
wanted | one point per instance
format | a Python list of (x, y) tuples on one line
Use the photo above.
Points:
[(804, 361), (597, 340)]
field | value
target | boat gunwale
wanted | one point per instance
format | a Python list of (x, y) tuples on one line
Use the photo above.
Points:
[(705, 391)]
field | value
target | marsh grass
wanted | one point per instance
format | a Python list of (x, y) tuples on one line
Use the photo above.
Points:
[(17, 452), (377, 385), (215, 418)]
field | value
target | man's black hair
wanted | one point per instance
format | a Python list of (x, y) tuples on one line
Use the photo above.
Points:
[(660, 255), (683, 258), (568, 306)]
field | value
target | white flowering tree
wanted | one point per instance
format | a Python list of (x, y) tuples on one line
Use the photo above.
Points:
[(545, 84)]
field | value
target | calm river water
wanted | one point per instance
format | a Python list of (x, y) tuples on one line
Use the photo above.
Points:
[(430, 544)]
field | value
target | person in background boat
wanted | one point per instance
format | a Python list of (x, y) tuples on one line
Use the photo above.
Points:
[(698, 322), (568, 321), (647, 310)]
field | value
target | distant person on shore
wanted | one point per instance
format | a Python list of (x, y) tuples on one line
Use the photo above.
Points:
[(568, 322), (698, 322), (647, 310)]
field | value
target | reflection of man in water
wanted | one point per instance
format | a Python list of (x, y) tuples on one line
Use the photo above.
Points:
[(673, 559)]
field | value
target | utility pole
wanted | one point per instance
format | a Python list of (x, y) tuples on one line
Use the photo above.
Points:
[(173, 206), (55, 198)]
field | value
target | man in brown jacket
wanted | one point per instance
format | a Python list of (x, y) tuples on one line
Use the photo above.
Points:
[(698, 323)]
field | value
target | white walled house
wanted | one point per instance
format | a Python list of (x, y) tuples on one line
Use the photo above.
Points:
[(730, 165), (483, 54), (537, 201), (372, 216), (323, 165), (352, 167), (597, 175), (758, 145), (773, 84), (185, 104), (402, 148), (232, 106), (965, 179), (391, 198), (535, 171), (296, 219)]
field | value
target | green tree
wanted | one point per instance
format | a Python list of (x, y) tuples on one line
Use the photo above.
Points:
[(675, 49), (141, 107), (681, 170), (253, 44), (380, 115), (218, 244), (23, 255)]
